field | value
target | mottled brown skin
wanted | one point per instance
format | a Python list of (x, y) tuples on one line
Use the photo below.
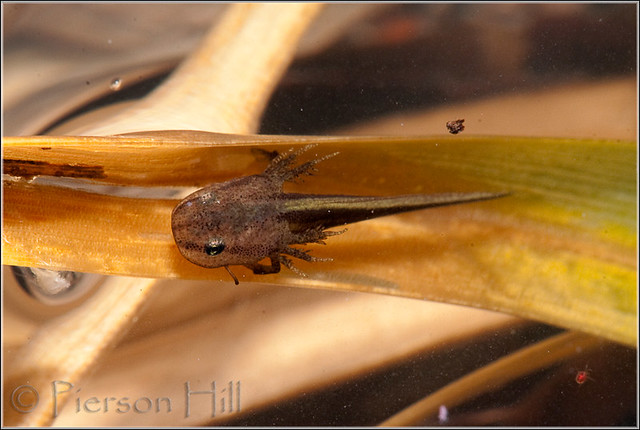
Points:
[(247, 219)]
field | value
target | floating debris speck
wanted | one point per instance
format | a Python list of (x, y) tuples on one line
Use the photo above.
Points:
[(456, 126)]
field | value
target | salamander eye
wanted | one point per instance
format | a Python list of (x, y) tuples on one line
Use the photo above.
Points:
[(214, 247)]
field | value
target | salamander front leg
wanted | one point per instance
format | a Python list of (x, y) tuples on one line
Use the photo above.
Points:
[(263, 269)]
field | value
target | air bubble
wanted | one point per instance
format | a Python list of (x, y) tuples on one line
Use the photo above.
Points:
[(116, 84)]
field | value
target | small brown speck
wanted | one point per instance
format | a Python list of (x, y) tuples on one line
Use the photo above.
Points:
[(456, 126)]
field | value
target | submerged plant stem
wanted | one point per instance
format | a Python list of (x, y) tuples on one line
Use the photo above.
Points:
[(496, 375)]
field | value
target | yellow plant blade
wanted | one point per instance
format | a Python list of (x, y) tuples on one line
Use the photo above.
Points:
[(560, 248)]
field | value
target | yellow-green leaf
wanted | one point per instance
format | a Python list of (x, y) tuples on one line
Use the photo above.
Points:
[(560, 248)]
